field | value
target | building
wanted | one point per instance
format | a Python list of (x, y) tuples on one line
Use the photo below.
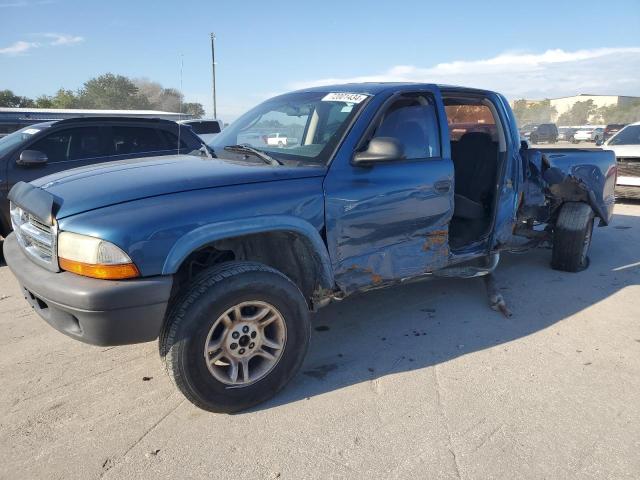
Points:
[(12, 119), (564, 104)]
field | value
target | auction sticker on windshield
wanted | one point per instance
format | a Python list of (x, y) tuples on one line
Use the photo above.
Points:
[(344, 97)]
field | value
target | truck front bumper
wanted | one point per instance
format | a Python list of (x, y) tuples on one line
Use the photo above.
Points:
[(99, 312)]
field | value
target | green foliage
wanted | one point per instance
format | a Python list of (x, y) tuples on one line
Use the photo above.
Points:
[(110, 92), (578, 114), (65, 99), (625, 113), (9, 99), (193, 108), (533, 112)]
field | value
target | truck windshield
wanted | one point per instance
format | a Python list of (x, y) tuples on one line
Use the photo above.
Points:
[(301, 127), (16, 138), (627, 136)]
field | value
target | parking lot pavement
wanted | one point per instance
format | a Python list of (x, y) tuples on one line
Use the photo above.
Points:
[(418, 381), (563, 144)]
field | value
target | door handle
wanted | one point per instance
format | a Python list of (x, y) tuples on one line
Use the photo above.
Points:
[(442, 186)]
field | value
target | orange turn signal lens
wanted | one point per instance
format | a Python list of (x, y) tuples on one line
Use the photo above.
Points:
[(104, 272)]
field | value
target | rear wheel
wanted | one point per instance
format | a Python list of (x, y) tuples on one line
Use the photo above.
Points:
[(572, 237), (533, 139), (237, 337)]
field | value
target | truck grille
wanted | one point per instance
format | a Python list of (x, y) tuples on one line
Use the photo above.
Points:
[(628, 167), (36, 237)]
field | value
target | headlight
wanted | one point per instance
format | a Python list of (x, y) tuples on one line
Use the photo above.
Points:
[(94, 257)]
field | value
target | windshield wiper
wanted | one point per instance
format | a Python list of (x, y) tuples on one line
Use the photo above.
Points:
[(269, 160), (207, 150)]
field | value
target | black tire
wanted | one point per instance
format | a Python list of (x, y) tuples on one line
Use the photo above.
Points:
[(191, 316), (533, 139), (572, 237)]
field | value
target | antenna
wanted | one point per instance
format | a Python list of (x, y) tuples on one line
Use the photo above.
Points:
[(213, 68), (181, 94)]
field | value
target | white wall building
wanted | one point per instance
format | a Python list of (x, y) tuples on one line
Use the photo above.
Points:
[(564, 104)]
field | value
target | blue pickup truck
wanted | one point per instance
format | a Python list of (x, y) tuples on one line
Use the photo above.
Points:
[(222, 258)]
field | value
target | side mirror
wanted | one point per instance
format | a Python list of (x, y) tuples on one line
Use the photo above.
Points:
[(380, 149), (32, 158)]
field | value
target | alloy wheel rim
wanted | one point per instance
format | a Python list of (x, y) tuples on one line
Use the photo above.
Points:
[(245, 343)]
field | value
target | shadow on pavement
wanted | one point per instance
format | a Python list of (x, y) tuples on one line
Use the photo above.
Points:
[(418, 325)]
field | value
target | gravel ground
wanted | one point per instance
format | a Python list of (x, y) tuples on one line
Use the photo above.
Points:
[(418, 381)]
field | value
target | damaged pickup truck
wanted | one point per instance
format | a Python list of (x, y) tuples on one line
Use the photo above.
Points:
[(222, 258)]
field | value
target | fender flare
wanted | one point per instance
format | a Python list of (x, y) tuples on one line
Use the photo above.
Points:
[(212, 232)]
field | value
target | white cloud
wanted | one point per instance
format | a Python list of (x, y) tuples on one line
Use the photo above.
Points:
[(55, 40), (518, 74), (63, 39), (18, 48)]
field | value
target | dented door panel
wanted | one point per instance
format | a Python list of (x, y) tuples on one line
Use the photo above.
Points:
[(388, 222)]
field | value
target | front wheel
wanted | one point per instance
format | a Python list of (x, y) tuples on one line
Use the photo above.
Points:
[(236, 337), (572, 237)]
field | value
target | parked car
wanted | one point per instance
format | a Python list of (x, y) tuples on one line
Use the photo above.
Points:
[(206, 129), (279, 140), (611, 129), (566, 133), (544, 132), (223, 259), (587, 134), (597, 135), (50, 147), (626, 146)]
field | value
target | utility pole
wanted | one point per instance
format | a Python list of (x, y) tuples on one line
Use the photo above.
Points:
[(213, 67)]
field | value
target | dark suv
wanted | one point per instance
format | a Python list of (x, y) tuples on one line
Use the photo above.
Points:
[(544, 132), (49, 147)]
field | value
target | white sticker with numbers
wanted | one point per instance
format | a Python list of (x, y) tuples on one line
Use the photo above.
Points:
[(344, 97)]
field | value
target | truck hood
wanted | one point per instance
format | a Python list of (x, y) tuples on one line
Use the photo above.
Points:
[(87, 188)]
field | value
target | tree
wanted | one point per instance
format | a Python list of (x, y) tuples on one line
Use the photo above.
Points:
[(165, 99), (44, 101), (533, 112), (193, 108), (111, 91), (625, 113), (9, 99), (578, 114), (65, 99)]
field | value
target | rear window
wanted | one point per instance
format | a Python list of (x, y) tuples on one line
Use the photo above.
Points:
[(205, 127), (470, 118)]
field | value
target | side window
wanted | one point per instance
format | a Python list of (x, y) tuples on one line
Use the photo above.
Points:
[(71, 144), (414, 123), (127, 140), (172, 140)]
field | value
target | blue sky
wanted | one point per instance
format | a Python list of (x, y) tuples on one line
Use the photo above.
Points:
[(539, 49)]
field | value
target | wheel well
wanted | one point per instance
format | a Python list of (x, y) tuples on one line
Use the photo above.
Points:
[(288, 252)]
